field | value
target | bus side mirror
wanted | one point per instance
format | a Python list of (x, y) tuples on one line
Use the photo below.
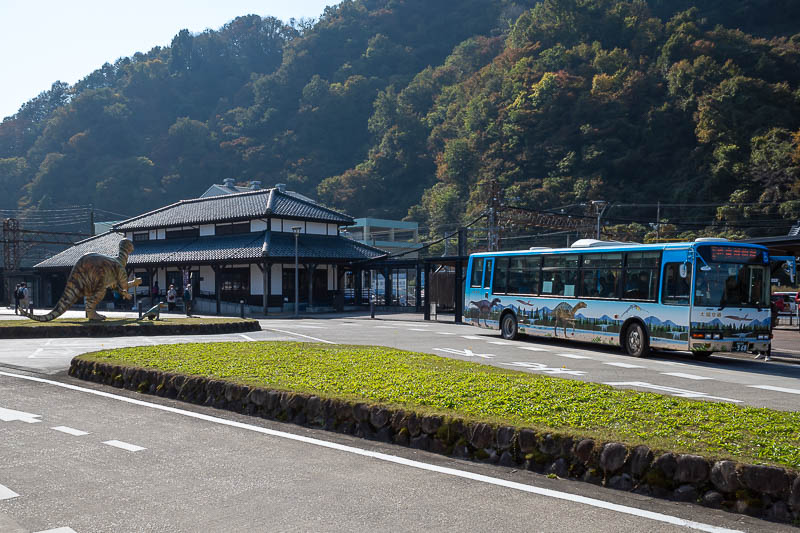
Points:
[(683, 270)]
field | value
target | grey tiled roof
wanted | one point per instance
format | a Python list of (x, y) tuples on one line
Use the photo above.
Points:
[(239, 248), (246, 205)]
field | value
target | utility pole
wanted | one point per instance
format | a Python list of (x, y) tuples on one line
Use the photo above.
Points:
[(494, 197), (600, 207), (658, 221), (91, 220)]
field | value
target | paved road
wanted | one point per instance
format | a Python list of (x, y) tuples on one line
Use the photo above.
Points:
[(726, 378), (80, 457)]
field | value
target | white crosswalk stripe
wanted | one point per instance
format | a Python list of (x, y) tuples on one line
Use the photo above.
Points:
[(625, 365), (124, 445), (685, 376), (70, 431), (572, 356), (6, 493)]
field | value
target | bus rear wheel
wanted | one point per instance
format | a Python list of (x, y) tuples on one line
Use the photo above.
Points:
[(508, 327), (636, 343), (701, 355)]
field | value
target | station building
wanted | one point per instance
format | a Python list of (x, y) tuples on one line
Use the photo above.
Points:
[(233, 246)]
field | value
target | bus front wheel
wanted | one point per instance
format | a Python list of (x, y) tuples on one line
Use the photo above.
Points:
[(636, 343), (508, 327)]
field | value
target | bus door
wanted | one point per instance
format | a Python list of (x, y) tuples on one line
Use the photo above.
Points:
[(675, 298), (488, 269)]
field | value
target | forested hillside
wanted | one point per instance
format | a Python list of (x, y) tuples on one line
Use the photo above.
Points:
[(409, 108)]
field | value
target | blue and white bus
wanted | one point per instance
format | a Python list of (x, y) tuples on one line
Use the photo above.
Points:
[(710, 295)]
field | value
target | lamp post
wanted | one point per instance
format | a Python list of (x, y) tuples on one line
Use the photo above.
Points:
[(296, 230), (600, 206)]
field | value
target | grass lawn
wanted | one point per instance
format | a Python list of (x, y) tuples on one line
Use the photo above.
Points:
[(430, 384), (61, 322)]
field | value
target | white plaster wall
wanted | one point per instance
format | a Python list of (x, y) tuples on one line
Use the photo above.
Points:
[(161, 233), (206, 229), (277, 225), (332, 229), (258, 225), (256, 280), (317, 228), (277, 280), (153, 235), (207, 283)]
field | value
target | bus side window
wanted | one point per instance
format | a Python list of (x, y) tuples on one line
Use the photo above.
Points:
[(676, 289), (487, 274), (500, 285), (477, 272)]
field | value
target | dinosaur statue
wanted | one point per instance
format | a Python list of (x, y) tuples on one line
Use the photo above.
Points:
[(154, 313), (484, 308), (565, 314), (90, 277)]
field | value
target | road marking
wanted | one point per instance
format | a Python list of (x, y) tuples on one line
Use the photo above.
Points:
[(572, 356), (386, 327), (501, 343), (444, 332), (124, 445), (685, 376), (776, 389), (541, 367), (9, 415), (245, 337), (300, 335), (417, 329), (625, 365), (70, 431), (471, 337), (464, 353), (549, 493), (532, 348), (59, 530), (681, 393), (51, 353), (6, 493)]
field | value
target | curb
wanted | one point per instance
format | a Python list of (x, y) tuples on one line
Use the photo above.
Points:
[(767, 492), (92, 330)]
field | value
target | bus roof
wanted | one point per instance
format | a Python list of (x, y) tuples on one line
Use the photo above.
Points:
[(592, 246)]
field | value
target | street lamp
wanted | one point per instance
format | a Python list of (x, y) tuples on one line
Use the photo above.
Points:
[(296, 230), (600, 206)]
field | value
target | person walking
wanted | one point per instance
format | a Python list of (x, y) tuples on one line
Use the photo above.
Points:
[(17, 298), (172, 296), (187, 299), (25, 294)]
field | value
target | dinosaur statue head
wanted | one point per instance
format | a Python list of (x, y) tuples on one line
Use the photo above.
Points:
[(494, 302), (125, 249), (579, 305)]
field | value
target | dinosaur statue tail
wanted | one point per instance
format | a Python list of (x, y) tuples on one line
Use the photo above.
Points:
[(69, 297)]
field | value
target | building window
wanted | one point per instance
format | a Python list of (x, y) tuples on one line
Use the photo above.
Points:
[(232, 229), (182, 233), (138, 237)]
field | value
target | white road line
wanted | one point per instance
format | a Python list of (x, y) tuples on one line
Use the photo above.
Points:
[(124, 445), (471, 337), (532, 348), (6, 493), (300, 335), (59, 530), (245, 337), (70, 431), (685, 376), (572, 356), (501, 343), (10, 415), (625, 365), (444, 332), (682, 393), (386, 327), (417, 329), (776, 389), (593, 502)]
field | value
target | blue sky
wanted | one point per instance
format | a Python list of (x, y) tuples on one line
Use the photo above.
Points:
[(42, 41)]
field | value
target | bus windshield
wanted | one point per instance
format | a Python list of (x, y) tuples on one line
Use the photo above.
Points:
[(731, 277)]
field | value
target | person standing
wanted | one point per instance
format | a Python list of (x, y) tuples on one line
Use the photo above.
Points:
[(187, 299), (17, 298), (172, 296), (25, 297)]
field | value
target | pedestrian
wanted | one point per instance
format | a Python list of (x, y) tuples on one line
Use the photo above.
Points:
[(17, 298), (25, 294), (172, 296), (187, 299)]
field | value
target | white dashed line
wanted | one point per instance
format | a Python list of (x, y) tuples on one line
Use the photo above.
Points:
[(682, 393), (245, 337), (624, 365), (124, 445), (500, 343), (685, 376), (59, 530), (6, 493), (70, 431), (444, 333), (776, 389), (532, 348), (300, 335), (417, 329), (386, 327), (563, 496), (572, 356), (471, 337)]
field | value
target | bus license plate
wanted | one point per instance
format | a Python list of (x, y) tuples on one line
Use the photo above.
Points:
[(739, 346)]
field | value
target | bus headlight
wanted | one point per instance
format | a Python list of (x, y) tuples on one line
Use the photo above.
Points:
[(717, 336), (708, 335)]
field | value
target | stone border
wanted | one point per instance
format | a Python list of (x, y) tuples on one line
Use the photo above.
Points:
[(143, 328), (766, 492)]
